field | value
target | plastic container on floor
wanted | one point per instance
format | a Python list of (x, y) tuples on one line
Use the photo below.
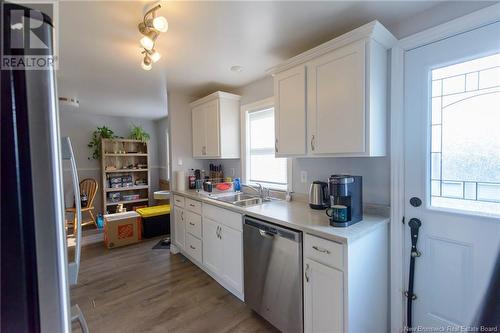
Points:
[(155, 220)]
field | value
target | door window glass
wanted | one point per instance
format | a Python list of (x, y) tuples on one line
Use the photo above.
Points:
[(465, 136)]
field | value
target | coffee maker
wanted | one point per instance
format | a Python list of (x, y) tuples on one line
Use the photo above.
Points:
[(346, 204)]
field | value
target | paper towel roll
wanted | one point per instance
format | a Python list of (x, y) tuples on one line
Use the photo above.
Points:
[(180, 180)]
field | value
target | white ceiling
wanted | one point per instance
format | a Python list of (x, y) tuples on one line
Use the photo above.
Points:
[(100, 55)]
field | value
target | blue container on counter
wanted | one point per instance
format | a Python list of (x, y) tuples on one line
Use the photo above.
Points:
[(237, 184)]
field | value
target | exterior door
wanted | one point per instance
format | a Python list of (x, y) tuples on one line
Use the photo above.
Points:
[(336, 101), (452, 163), (212, 246)]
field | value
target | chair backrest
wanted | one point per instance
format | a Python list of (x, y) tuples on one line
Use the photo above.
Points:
[(89, 186)]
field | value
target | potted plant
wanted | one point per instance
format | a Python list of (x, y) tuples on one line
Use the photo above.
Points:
[(95, 141), (138, 133)]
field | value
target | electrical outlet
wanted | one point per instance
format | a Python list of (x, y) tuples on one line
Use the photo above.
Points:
[(232, 172), (179, 162), (303, 176)]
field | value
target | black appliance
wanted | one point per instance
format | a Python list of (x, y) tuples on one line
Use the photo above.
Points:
[(346, 200)]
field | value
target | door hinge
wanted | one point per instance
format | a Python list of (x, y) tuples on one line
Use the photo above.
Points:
[(403, 220)]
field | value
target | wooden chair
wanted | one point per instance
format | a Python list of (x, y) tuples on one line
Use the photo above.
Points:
[(88, 186)]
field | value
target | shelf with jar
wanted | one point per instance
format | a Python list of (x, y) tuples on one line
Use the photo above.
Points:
[(125, 174)]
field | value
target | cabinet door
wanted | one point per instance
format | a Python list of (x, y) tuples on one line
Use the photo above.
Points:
[(336, 101), (290, 111), (323, 298), (212, 129), (232, 241), (198, 127), (212, 246), (179, 227)]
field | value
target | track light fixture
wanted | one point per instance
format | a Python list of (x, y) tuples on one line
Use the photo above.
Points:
[(151, 27)]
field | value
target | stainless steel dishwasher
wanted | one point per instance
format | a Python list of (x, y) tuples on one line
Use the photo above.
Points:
[(273, 273)]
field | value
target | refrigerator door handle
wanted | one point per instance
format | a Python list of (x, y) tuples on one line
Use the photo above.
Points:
[(74, 267)]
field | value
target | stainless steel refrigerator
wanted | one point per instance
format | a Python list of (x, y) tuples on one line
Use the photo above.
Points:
[(35, 273)]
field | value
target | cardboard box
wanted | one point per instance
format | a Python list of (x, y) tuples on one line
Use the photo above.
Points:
[(122, 229)]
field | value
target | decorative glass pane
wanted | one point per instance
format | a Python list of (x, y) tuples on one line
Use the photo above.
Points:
[(488, 192), (452, 189), (490, 78), (453, 85), (472, 81), (436, 88), (436, 138), (465, 136), (436, 166), (436, 110), (435, 188)]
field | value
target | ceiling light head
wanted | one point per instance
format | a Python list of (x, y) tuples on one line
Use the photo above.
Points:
[(146, 63), (147, 42), (237, 69), (160, 23), (155, 55)]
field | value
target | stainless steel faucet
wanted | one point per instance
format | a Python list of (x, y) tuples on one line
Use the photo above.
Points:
[(261, 190)]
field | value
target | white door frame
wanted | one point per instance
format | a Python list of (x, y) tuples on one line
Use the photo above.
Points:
[(471, 21)]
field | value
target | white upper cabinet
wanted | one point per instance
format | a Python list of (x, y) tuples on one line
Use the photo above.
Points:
[(216, 126), (338, 93), (336, 101), (290, 111)]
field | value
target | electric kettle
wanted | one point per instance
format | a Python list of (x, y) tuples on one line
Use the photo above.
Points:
[(318, 195)]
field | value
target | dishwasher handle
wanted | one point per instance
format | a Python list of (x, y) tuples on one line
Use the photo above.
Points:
[(269, 230), (266, 234)]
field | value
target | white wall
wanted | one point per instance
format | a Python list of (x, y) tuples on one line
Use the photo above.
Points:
[(79, 126), (181, 146), (161, 126)]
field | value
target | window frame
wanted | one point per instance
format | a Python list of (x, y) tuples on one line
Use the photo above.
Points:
[(246, 109)]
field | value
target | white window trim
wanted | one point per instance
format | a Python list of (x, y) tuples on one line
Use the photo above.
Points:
[(245, 109)]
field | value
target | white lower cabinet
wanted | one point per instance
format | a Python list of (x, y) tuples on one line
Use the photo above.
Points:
[(223, 249), (213, 240), (212, 248), (323, 298), (179, 227), (194, 247), (346, 285), (232, 272)]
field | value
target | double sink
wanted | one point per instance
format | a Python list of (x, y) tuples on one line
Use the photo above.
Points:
[(240, 199)]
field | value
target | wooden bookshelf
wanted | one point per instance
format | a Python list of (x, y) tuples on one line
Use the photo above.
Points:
[(130, 159)]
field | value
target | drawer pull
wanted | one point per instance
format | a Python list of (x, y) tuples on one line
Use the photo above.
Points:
[(191, 205), (191, 246), (191, 223), (320, 249)]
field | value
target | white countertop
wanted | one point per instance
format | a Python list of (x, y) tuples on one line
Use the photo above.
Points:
[(299, 216)]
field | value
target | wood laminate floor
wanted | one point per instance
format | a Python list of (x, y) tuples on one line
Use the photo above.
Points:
[(137, 289)]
